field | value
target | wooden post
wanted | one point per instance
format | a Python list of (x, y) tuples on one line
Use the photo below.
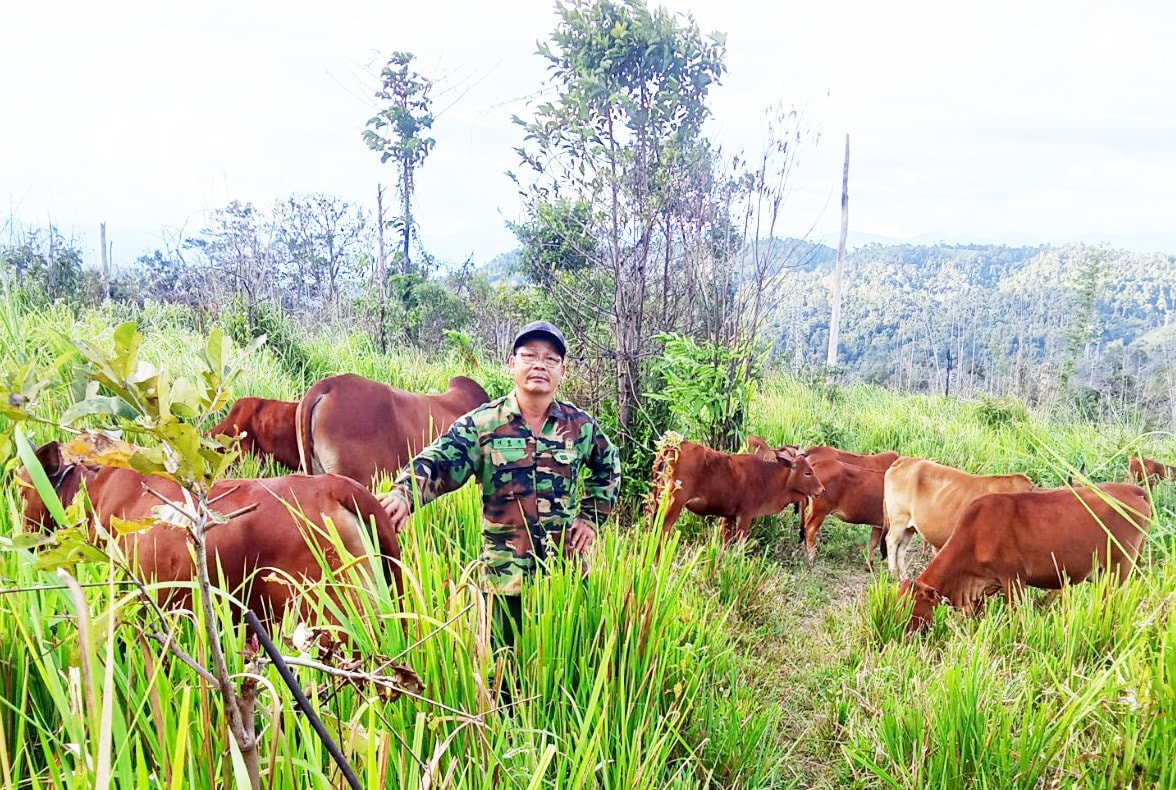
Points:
[(835, 318)]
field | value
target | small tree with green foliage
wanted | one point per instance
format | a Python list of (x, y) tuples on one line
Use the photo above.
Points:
[(146, 401), (397, 132), (630, 93)]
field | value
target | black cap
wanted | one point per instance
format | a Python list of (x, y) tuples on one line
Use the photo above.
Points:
[(543, 331)]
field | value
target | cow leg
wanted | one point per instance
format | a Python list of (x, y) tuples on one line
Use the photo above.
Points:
[(814, 518), (730, 531), (743, 526), (802, 514), (875, 542), (738, 528), (673, 511), (894, 537), (897, 545)]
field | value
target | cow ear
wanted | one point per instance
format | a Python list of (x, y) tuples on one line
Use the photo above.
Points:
[(759, 447), (50, 457), (785, 459)]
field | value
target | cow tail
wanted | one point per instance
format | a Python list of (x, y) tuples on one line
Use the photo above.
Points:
[(303, 420), (665, 461)]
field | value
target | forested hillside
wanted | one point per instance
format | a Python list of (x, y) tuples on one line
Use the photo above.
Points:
[(1028, 321)]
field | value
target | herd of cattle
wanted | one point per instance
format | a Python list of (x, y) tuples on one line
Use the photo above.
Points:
[(993, 532)]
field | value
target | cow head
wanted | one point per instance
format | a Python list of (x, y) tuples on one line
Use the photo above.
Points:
[(926, 598), (800, 477), (56, 469), (803, 478)]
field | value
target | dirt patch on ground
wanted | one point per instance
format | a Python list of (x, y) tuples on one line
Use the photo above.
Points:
[(805, 647)]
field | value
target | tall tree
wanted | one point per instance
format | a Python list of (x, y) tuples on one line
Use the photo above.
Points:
[(397, 132), (630, 95)]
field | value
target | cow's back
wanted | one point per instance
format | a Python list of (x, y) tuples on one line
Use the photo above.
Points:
[(359, 428), (1035, 535), (876, 461), (931, 496), (284, 528)]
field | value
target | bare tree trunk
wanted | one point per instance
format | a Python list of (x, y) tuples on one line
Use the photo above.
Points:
[(105, 261), (381, 272), (406, 208), (238, 710), (835, 319)]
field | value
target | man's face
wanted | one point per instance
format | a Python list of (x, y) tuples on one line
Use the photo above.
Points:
[(536, 367)]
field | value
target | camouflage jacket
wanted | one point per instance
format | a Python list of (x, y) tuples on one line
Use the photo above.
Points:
[(528, 481)]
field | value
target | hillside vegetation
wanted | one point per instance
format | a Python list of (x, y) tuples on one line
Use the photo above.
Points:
[(698, 667), (1034, 322)]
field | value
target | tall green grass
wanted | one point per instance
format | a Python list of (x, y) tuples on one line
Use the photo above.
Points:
[(698, 667)]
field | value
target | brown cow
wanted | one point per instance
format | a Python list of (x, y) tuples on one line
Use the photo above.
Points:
[(269, 537), (266, 427), (738, 488), (853, 494), (929, 498), (362, 429), (1145, 471), (1045, 539)]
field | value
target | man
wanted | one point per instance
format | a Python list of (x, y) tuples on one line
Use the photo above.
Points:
[(527, 450)]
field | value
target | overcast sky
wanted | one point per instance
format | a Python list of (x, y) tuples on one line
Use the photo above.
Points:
[(997, 122)]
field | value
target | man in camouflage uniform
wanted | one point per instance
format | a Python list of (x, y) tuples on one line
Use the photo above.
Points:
[(527, 450)]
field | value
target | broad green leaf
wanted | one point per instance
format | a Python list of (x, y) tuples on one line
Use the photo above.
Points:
[(214, 353), (185, 399), (101, 404), (72, 546), (149, 461), (27, 540), (127, 340), (143, 373)]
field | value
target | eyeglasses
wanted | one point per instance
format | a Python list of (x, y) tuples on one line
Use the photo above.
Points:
[(531, 358)]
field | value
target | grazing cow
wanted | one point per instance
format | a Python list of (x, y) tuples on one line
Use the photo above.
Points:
[(362, 429), (1145, 471), (929, 498), (266, 427), (1043, 539), (853, 494), (247, 547), (738, 488)]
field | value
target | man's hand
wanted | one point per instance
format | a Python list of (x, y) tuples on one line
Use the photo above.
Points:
[(396, 508), (581, 535)]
